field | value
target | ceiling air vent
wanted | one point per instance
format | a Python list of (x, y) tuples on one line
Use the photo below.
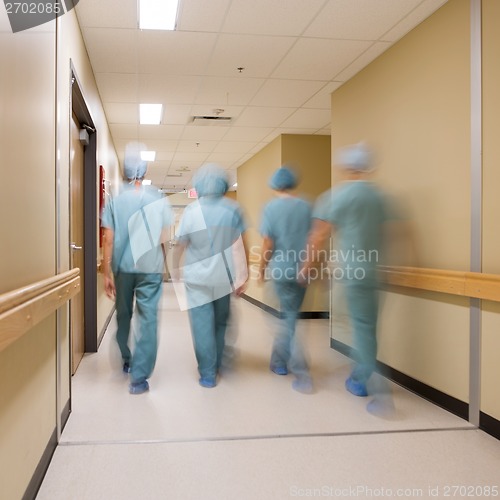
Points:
[(211, 120)]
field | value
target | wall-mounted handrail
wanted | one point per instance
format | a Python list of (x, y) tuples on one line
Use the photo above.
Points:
[(23, 308), (477, 285)]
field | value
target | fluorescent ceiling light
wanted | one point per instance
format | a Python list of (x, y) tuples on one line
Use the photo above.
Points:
[(157, 14), (150, 114), (146, 182), (235, 184), (148, 155)]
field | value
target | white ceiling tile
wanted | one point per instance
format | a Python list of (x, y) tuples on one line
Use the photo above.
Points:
[(308, 118), (315, 59), (168, 89), (109, 14), (263, 117), (121, 112), (174, 52), (212, 110), (193, 146), (192, 165), (184, 156), (362, 61), (161, 132), (201, 133), (286, 93), (123, 131), (323, 99), (200, 15), (165, 156), (258, 55), (156, 179), (424, 10), (285, 17), (194, 70), (112, 50), (251, 134), (176, 114), (225, 160), (159, 146), (117, 87), (240, 147), (359, 19), (228, 91)]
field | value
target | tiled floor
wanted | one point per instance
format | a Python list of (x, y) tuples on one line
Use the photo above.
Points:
[(253, 437)]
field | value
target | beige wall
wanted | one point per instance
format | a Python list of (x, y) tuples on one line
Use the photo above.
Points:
[(27, 250), (490, 402), (72, 51), (29, 115), (412, 106), (310, 155)]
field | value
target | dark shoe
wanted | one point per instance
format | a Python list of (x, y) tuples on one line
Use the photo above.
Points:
[(208, 382), (138, 387), (279, 370), (356, 388), (126, 367)]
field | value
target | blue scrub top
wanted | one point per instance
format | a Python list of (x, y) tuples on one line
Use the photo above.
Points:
[(137, 216), (210, 228), (286, 221), (358, 211)]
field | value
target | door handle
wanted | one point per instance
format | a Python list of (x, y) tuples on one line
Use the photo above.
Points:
[(74, 246)]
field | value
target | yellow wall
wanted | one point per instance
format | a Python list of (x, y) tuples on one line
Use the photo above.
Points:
[(310, 155), (29, 115), (72, 50), (412, 106), (27, 250), (490, 401)]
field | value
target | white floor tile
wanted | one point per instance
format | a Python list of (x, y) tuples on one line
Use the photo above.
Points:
[(252, 436)]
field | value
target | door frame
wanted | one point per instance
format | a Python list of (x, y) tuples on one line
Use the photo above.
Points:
[(78, 106)]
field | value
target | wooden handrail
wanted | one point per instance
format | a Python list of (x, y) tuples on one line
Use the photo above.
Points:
[(467, 284), (23, 308)]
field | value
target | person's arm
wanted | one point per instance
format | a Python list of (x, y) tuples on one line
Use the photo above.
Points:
[(109, 285), (243, 267), (265, 256), (177, 252), (318, 236)]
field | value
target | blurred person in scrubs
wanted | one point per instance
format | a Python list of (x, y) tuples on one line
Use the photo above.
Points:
[(135, 225), (285, 225), (356, 211), (210, 240)]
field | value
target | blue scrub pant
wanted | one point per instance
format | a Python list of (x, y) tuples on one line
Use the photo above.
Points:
[(208, 327), (362, 303), (147, 291), (287, 351)]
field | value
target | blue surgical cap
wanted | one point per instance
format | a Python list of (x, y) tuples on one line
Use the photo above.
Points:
[(134, 167), (210, 180), (356, 157), (283, 178)]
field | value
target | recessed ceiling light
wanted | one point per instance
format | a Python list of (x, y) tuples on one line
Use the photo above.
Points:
[(148, 155), (146, 182), (150, 114), (235, 185), (158, 14)]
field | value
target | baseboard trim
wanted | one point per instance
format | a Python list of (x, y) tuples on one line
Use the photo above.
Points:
[(105, 327), (441, 399), (275, 313), (489, 424), (37, 478)]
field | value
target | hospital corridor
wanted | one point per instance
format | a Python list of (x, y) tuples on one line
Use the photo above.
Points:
[(249, 249), (252, 436)]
